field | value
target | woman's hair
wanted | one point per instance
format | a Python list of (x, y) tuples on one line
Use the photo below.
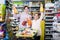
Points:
[(25, 7)]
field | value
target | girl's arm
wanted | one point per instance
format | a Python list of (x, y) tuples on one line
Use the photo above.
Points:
[(41, 17)]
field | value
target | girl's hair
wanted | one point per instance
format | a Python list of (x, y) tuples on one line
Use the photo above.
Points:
[(37, 13)]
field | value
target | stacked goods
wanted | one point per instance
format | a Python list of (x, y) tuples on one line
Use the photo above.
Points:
[(14, 23), (58, 16)]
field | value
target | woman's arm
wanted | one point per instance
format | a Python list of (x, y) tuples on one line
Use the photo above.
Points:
[(16, 16)]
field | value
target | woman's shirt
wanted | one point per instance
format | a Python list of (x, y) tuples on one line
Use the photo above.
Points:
[(23, 16)]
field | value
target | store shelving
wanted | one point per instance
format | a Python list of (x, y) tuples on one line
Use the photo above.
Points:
[(57, 9), (28, 0), (49, 14), (48, 26), (33, 5), (49, 19), (3, 18), (8, 14)]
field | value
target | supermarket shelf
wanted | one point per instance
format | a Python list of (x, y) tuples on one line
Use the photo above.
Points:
[(49, 26), (19, 6), (35, 6), (28, 6), (50, 12), (49, 9), (47, 34), (54, 12), (49, 29), (28, 0), (49, 16), (49, 19), (48, 23), (48, 38)]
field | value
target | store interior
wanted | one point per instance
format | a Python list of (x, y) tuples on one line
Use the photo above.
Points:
[(10, 28)]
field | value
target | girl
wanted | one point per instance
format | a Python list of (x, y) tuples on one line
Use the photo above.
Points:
[(36, 24)]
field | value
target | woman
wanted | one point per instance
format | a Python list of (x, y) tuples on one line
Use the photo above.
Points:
[(23, 17)]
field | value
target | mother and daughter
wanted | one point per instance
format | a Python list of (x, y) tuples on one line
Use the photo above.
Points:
[(26, 21)]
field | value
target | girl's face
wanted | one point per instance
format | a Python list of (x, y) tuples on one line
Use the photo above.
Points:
[(36, 16)]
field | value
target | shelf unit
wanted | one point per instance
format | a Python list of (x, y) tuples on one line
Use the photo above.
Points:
[(48, 27), (28, 0), (57, 9), (8, 14), (3, 21), (48, 24), (34, 6), (8, 11)]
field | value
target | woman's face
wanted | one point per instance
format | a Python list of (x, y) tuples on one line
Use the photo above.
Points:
[(26, 9), (36, 16)]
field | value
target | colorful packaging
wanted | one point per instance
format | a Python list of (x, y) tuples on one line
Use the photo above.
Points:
[(2, 12), (58, 16), (29, 22)]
